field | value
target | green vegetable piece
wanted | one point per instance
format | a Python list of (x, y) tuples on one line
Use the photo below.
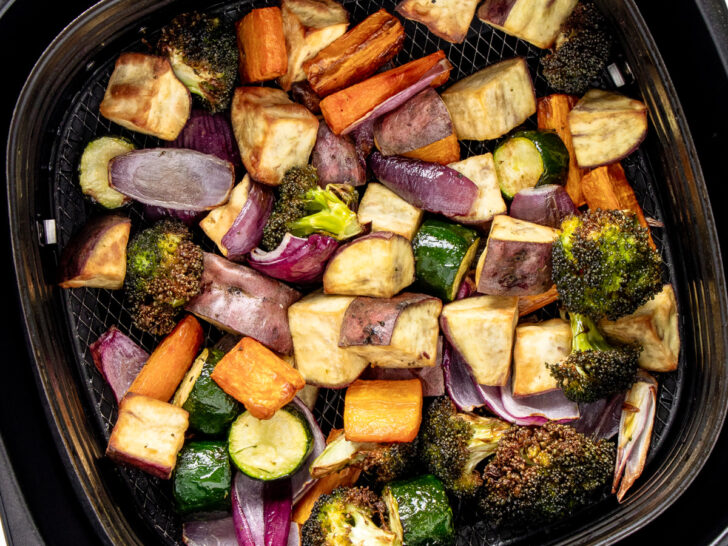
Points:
[(443, 253), (202, 478), (93, 170), (421, 507)]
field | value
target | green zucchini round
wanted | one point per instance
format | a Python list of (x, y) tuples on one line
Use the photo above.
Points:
[(93, 170), (270, 449), (202, 477), (419, 511), (443, 253), (528, 159)]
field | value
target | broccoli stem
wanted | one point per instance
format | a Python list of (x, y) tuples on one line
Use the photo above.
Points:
[(329, 214), (484, 441), (586, 335)]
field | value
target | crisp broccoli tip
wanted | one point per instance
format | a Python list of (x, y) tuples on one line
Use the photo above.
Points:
[(329, 215)]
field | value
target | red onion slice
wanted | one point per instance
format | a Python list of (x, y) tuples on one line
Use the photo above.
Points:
[(547, 205), (247, 229), (277, 512), (210, 134), (296, 259), (302, 480), (188, 217), (539, 408), (247, 503), (215, 532), (600, 419), (119, 359), (459, 383)]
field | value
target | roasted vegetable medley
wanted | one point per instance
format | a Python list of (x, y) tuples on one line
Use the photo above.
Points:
[(495, 320)]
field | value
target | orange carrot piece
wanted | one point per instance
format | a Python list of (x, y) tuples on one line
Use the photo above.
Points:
[(443, 151), (357, 54), (345, 477), (167, 365), (553, 113), (607, 188), (257, 377), (262, 45), (382, 410), (529, 304), (349, 105)]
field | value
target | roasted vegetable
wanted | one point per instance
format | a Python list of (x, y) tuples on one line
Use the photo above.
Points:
[(323, 486), (547, 205), (480, 169), (297, 259), (163, 273), (261, 45), (603, 265), (536, 345), (448, 19), (453, 444), (336, 160), (544, 473), (119, 359), (581, 51), (93, 170), (202, 479), (594, 369), (349, 515), (387, 211), (204, 56)]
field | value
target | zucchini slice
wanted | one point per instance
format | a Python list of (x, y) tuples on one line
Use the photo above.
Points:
[(273, 448), (93, 170), (443, 254), (211, 409), (528, 159), (202, 479), (419, 511)]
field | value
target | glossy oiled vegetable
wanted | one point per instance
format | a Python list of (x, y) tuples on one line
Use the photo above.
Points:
[(202, 479), (209, 134), (93, 170), (335, 159), (547, 205), (118, 359), (296, 259), (262, 45)]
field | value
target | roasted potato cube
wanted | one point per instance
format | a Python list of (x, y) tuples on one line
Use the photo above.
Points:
[(144, 95), (148, 434), (273, 132), (309, 26), (220, 219), (481, 170), (536, 345), (491, 102), (448, 19), (315, 323), (387, 211), (654, 326), (262, 45), (482, 330)]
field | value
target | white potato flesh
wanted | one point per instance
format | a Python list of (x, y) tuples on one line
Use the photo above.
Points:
[(489, 202), (482, 330), (536, 345), (606, 127), (315, 323), (387, 211), (491, 102)]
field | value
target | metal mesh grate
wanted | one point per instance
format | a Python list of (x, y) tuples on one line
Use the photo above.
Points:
[(90, 312)]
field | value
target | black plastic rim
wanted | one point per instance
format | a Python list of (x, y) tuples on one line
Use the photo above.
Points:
[(690, 232)]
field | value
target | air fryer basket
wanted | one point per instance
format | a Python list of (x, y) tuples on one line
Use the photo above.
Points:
[(57, 115)]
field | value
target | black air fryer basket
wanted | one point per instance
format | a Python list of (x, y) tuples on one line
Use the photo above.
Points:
[(57, 114)]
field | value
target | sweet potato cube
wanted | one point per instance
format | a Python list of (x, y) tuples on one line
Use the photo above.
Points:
[(356, 55), (259, 379), (148, 434), (383, 411), (387, 211), (262, 45)]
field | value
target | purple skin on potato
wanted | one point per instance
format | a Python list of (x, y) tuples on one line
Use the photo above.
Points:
[(336, 159), (163, 472), (496, 11), (516, 268)]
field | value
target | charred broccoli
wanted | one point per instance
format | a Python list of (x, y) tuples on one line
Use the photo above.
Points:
[(303, 208), (581, 52), (163, 272), (381, 462), (452, 445), (544, 473), (594, 369), (348, 516), (203, 53), (603, 264)]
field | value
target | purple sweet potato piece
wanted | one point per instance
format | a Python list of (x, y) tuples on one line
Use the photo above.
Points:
[(336, 160), (119, 359)]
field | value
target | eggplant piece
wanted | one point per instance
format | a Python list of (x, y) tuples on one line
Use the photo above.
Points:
[(95, 257), (491, 102), (489, 202), (448, 19), (315, 326), (654, 327), (428, 186), (535, 22), (399, 332), (386, 211), (173, 178), (118, 359), (517, 258), (482, 330), (537, 345), (635, 433), (546, 205), (606, 127), (240, 300), (148, 435), (336, 160), (420, 121), (379, 265)]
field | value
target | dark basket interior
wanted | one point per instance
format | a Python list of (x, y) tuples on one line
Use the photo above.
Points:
[(90, 312)]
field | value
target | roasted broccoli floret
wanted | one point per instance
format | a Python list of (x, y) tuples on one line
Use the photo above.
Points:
[(603, 264), (453, 443), (302, 208), (163, 272), (203, 53), (348, 516), (581, 51), (544, 473), (594, 369)]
